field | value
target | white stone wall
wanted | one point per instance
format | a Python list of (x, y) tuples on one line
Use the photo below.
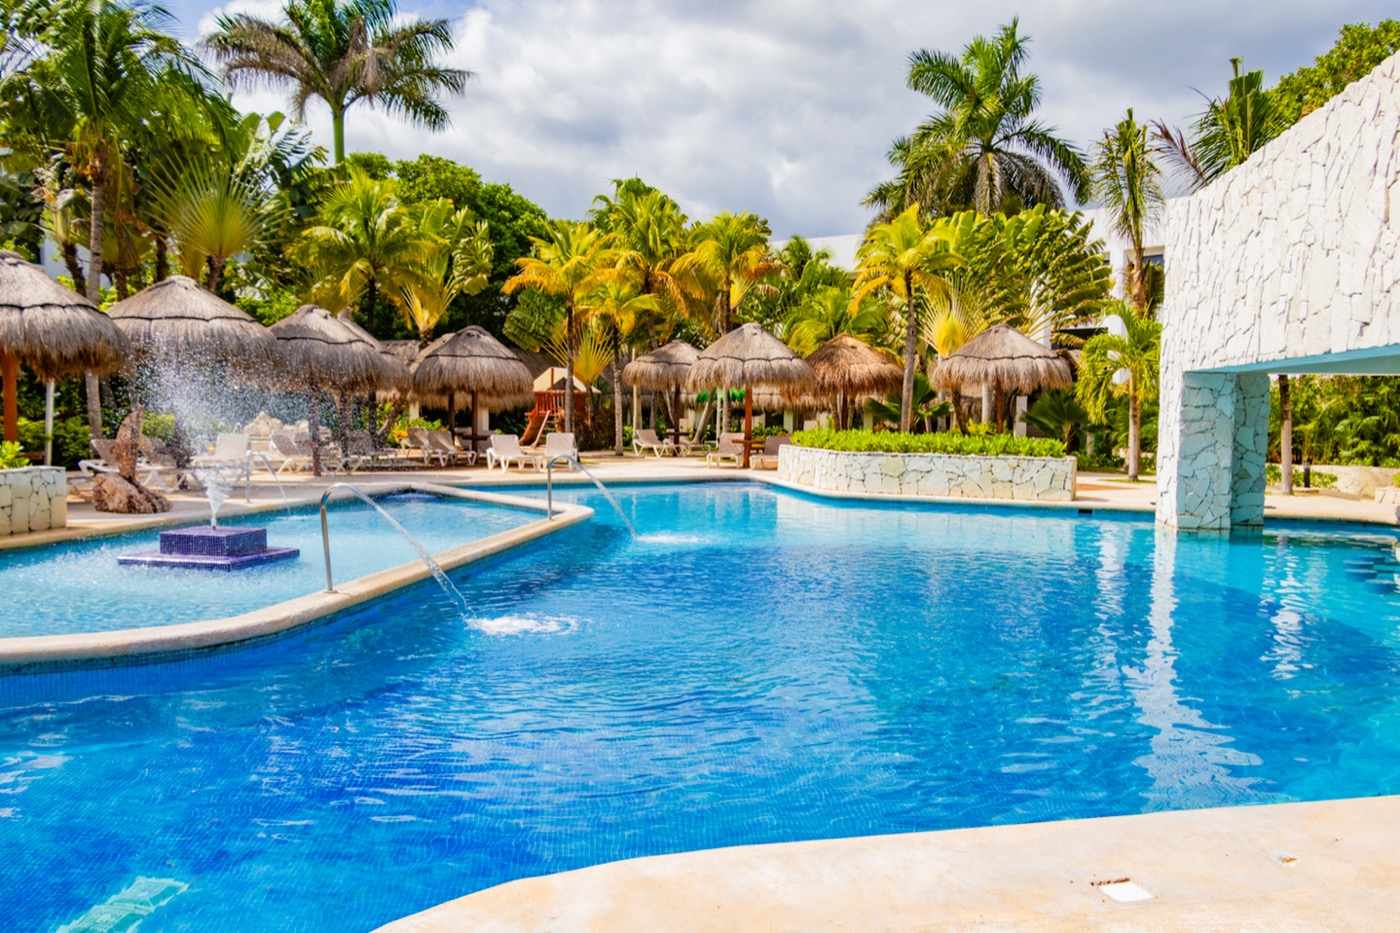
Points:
[(33, 499), (1289, 262), (1046, 479)]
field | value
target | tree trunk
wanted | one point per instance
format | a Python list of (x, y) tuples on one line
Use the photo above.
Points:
[(700, 424), (676, 417), (911, 336), (162, 261), (338, 133), (636, 408), (617, 407), (216, 272), (958, 412), (1134, 430), (748, 424), (1139, 283), (1285, 434), (569, 369), (342, 417), (313, 428), (94, 288), (75, 268)]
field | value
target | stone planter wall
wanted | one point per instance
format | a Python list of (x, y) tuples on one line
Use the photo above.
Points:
[(1044, 479), (33, 499)]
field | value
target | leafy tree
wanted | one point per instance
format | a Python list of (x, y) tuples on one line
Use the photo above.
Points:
[(908, 260), (454, 259), (1058, 414), (829, 313), (649, 230), (1359, 49), (565, 264), (1138, 353), (800, 273), (985, 149), (1127, 182), (344, 52), (728, 259), (928, 407), (621, 307)]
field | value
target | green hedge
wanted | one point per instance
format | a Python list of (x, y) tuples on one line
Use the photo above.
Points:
[(974, 445), (1273, 475)]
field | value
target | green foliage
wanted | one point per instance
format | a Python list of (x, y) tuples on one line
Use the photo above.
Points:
[(1320, 479), (1058, 414), (1358, 50), (12, 456), (70, 439), (973, 445), (1342, 420), (1226, 133)]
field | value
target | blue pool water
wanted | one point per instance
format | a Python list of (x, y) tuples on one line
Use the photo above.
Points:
[(80, 587), (758, 667)]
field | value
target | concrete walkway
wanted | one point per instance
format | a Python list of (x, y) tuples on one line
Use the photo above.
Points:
[(1310, 866)]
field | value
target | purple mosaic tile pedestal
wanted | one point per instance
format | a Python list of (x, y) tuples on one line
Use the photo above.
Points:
[(205, 548)]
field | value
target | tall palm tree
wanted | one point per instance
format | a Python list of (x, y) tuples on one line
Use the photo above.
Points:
[(366, 242), (455, 259), (345, 52), (620, 305), (830, 313), (907, 259), (1138, 353), (1223, 137), (84, 94), (1127, 182), (985, 150), (649, 232), (565, 264)]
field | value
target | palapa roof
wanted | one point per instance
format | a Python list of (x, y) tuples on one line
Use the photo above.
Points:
[(397, 374), (749, 357), (178, 317), (316, 349), (53, 330), (663, 369), (471, 360), (847, 366), (1005, 359)]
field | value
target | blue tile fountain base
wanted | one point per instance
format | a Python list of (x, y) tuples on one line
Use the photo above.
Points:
[(205, 547)]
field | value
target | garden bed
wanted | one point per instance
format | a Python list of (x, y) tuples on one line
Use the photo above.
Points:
[(818, 461)]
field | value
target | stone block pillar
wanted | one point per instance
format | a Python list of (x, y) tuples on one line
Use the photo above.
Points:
[(1213, 437)]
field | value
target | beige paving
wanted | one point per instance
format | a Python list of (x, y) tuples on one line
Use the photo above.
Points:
[(1312, 866)]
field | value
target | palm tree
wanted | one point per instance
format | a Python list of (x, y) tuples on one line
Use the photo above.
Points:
[(1223, 137), (829, 313), (1127, 182), (909, 260), (84, 94), (1137, 353), (618, 303), (455, 259), (345, 52), (366, 242), (565, 264), (985, 150)]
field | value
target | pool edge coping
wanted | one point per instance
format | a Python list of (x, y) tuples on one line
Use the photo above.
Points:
[(28, 653)]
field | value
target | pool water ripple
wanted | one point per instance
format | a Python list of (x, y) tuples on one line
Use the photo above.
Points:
[(758, 666)]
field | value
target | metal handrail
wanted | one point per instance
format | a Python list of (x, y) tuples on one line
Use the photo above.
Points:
[(549, 481)]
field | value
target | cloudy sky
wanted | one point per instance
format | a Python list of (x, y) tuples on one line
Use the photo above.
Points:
[(786, 107)]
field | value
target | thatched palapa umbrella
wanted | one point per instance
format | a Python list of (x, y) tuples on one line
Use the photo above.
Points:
[(749, 358), (845, 368), (1007, 361), (320, 352), (52, 330), (472, 361), (177, 318), (664, 369)]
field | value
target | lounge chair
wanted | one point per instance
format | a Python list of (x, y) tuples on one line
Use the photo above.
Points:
[(560, 444), (442, 443), (505, 449), (429, 451), (287, 454), (361, 451), (730, 447), (162, 476), (230, 460), (771, 446), (646, 440)]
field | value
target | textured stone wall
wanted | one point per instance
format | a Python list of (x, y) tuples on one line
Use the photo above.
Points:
[(1293, 257), (33, 499), (1047, 479)]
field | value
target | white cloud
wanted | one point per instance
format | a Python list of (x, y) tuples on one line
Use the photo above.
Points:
[(787, 108)]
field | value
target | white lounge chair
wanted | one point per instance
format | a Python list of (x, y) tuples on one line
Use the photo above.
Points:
[(771, 446), (646, 440), (442, 442), (560, 444), (287, 453), (505, 449), (730, 447)]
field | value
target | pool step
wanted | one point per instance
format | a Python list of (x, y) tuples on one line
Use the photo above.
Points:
[(127, 908)]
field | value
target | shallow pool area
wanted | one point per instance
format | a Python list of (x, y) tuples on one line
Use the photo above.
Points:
[(757, 666), (80, 587)]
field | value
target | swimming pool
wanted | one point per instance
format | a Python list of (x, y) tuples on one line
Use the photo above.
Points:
[(80, 587), (760, 666)]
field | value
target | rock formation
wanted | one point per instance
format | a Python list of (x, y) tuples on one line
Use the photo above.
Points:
[(121, 491)]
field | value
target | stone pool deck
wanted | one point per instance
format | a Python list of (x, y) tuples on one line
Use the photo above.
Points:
[(1309, 866)]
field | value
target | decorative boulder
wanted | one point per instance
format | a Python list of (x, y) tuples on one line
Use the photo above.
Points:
[(121, 492)]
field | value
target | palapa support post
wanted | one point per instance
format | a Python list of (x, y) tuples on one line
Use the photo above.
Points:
[(313, 430), (748, 424), (9, 363), (473, 434), (676, 417)]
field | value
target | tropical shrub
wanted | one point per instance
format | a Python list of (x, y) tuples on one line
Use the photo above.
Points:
[(11, 457), (70, 439), (1273, 474), (968, 445)]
